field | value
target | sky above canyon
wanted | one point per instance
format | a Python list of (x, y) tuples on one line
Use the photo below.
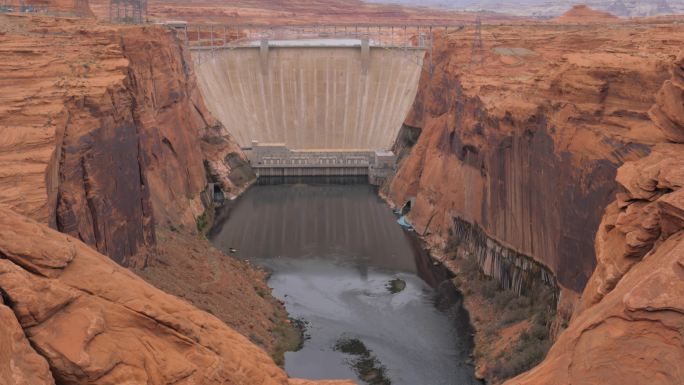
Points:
[(549, 8)]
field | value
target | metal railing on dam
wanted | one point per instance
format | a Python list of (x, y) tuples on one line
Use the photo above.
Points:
[(215, 36), (210, 37)]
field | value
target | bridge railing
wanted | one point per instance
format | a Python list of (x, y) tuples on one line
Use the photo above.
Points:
[(217, 36), (211, 37)]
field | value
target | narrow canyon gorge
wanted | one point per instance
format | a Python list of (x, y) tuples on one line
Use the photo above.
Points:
[(538, 179)]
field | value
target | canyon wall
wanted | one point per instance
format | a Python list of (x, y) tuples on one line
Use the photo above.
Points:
[(104, 133), (631, 315), (104, 136), (517, 161), (526, 146)]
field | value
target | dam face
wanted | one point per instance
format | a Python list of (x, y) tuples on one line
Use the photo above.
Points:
[(311, 95)]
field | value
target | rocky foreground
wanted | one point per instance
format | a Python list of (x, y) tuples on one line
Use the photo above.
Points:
[(87, 320)]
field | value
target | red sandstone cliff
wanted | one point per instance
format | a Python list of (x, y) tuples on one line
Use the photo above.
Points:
[(520, 156), (629, 328), (103, 132), (528, 145), (104, 135)]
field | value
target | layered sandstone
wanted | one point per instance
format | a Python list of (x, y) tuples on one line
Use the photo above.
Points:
[(520, 145), (526, 146), (629, 328), (104, 136), (19, 363), (98, 323), (103, 131)]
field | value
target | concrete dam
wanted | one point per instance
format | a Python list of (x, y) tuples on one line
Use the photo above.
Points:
[(324, 106)]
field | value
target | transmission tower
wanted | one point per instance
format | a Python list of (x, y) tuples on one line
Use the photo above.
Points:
[(128, 11), (477, 56)]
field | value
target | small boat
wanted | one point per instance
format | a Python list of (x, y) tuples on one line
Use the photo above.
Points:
[(233, 250)]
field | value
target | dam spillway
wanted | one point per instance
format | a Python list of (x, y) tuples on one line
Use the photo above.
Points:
[(323, 94)]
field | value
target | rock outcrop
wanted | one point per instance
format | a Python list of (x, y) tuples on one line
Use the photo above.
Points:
[(629, 325), (19, 363), (98, 323), (103, 132), (517, 159), (527, 146), (629, 328)]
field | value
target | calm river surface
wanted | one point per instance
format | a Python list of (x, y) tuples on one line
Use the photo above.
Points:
[(333, 251)]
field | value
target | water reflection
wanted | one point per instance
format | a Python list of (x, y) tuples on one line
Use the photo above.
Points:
[(334, 251)]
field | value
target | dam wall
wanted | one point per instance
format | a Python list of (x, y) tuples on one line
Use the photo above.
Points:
[(319, 96)]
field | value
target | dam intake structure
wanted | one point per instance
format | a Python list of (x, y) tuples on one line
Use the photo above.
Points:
[(319, 101)]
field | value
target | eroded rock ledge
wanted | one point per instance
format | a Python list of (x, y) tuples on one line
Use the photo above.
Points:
[(514, 271), (104, 133), (527, 149), (629, 328)]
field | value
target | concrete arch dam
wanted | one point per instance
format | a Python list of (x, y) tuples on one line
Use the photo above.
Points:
[(322, 106)]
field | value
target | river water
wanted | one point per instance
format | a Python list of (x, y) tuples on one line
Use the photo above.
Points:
[(349, 273)]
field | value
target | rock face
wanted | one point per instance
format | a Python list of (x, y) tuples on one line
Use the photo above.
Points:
[(631, 315), (19, 363), (102, 132), (517, 160), (98, 323), (527, 146)]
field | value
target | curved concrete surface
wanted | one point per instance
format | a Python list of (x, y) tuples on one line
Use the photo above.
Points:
[(311, 97)]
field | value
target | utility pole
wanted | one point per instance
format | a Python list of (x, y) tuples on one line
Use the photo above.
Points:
[(477, 56)]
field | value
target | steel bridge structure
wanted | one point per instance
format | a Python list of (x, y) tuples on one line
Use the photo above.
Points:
[(215, 37)]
